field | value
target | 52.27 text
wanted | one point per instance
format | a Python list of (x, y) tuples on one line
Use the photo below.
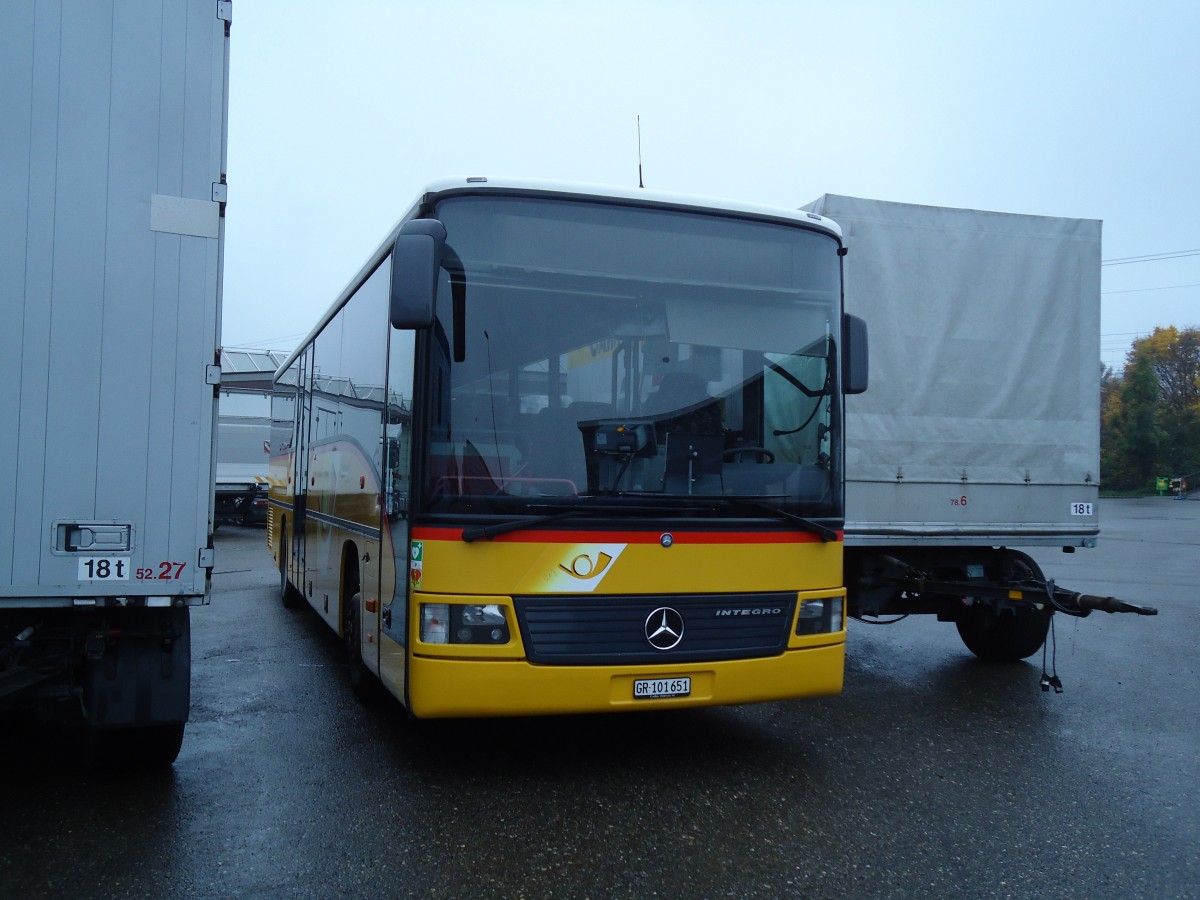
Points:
[(165, 571)]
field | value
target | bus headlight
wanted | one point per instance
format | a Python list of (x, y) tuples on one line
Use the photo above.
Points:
[(435, 622), (467, 623), (821, 616)]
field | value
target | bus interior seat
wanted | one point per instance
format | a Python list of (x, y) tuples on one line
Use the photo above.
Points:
[(559, 444)]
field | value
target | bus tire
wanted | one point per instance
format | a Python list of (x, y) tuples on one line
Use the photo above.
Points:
[(288, 595), (362, 680)]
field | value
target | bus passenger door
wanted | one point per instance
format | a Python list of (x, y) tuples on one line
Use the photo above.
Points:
[(300, 443), (397, 491)]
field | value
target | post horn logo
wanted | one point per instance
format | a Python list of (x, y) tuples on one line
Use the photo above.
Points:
[(583, 567)]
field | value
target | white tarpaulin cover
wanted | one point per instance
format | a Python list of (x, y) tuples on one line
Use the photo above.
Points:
[(984, 348)]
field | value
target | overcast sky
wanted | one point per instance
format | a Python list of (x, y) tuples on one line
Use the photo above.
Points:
[(340, 113)]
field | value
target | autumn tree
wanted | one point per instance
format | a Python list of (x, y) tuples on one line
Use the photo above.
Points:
[(1130, 438), (1175, 356), (1150, 421)]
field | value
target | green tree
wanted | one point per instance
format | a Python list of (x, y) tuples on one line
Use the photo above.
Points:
[(1175, 357), (1130, 454), (1111, 465), (1150, 417)]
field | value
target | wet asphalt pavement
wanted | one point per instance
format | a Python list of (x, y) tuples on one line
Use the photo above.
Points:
[(933, 774)]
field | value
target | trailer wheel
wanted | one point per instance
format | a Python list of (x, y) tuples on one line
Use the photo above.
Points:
[(1010, 635)]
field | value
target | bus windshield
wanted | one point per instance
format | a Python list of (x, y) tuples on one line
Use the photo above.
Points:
[(634, 354)]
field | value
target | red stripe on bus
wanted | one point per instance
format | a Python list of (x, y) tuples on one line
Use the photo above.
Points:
[(442, 533)]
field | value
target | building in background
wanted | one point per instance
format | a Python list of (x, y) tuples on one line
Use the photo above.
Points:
[(243, 436)]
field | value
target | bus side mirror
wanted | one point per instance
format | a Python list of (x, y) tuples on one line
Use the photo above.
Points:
[(854, 354), (416, 260)]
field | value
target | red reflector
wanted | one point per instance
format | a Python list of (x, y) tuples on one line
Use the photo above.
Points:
[(362, 481), (371, 604)]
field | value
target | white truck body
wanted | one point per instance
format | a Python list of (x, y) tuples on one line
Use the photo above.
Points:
[(111, 235), (982, 422)]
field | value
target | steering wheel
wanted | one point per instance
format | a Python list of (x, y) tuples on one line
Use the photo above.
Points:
[(763, 454)]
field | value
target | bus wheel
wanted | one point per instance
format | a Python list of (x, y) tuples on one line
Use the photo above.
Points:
[(361, 680), (1011, 635), (288, 595)]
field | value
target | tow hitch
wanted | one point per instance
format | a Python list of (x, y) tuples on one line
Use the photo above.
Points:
[(1030, 591)]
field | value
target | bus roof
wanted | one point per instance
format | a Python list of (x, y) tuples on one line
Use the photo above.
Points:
[(514, 185), (533, 187)]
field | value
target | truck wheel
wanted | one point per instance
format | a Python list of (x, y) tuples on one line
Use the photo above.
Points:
[(137, 747), (1011, 635)]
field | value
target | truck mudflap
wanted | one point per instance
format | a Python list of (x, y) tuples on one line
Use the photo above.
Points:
[(141, 674)]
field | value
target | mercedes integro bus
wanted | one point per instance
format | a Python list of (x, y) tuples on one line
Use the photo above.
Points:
[(563, 448)]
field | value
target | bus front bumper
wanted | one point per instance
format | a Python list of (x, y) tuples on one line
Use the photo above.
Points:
[(444, 687)]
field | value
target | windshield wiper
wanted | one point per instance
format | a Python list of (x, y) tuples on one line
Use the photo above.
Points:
[(487, 532), (825, 533)]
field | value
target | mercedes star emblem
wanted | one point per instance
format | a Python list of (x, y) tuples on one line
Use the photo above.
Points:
[(664, 628)]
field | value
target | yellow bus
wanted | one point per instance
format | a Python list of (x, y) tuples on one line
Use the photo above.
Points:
[(562, 449)]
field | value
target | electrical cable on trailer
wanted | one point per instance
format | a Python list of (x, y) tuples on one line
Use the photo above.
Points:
[(880, 621), (1052, 680), (1058, 606)]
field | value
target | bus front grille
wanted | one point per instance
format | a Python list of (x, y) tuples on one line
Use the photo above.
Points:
[(608, 630)]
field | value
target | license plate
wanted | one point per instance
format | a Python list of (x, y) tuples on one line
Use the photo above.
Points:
[(653, 688)]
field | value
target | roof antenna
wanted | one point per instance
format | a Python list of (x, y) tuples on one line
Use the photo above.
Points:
[(639, 124)]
